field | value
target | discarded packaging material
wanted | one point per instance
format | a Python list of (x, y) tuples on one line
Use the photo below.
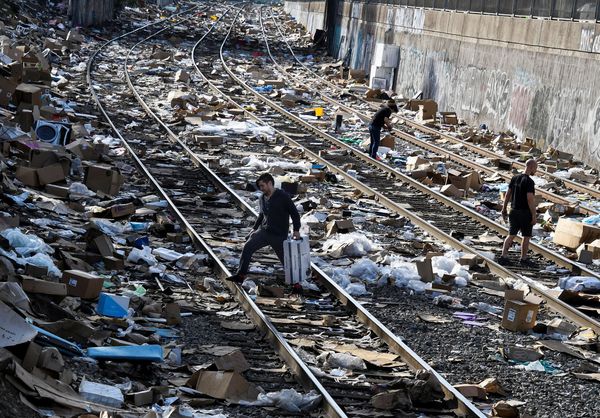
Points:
[(13, 328), (233, 361), (100, 393), (152, 353), (226, 385), (33, 285), (519, 311), (112, 305), (572, 234), (82, 284)]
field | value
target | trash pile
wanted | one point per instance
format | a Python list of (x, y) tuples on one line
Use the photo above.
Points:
[(98, 282)]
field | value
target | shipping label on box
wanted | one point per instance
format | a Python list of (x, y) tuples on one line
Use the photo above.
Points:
[(82, 284)]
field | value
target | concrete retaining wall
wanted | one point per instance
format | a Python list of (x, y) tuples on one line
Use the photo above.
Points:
[(310, 13), (537, 78)]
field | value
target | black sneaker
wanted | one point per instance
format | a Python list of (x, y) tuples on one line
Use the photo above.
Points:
[(526, 262), (503, 261), (236, 278)]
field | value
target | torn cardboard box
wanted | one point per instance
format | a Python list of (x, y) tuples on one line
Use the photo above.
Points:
[(226, 385), (572, 234)]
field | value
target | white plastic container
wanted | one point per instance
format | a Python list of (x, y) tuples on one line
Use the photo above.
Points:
[(103, 394)]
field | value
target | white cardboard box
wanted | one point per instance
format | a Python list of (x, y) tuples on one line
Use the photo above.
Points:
[(296, 260)]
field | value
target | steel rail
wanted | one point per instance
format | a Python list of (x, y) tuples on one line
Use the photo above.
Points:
[(395, 343), (432, 131), (258, 317), (487, 222), (282, 347), (554, 303)]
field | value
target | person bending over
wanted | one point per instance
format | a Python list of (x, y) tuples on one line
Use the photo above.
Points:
[(380, 119)]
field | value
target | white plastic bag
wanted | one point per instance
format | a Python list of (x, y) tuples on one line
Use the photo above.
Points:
[(145, 254), (356, 289), (579, 283), (418, 286), (365, 269), (168, 255), (343, 360), (80, 189), (287, 399), (26, 244), (42, 260)]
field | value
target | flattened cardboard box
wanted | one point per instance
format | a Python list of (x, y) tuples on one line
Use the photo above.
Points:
[(82, 284), (33, 285)]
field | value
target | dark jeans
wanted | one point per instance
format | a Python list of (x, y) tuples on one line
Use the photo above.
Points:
[(375, 133), (258, 240)]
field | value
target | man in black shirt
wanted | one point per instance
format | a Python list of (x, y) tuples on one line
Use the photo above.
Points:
[(272, 225), (521, 194), (380, 119)]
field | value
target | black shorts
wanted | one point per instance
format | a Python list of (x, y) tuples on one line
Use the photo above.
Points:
[(520, 220)]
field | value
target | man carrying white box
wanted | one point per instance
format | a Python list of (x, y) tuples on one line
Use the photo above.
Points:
[(271, 227)]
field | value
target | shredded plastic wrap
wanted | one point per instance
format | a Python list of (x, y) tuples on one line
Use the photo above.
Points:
[(354, 244), (26, 244), (365, 269), (343, 360), (287, 399), (579, 283)]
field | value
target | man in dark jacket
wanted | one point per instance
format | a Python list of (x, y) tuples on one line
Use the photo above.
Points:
[(272, 225), (523, 216), (380, 119)]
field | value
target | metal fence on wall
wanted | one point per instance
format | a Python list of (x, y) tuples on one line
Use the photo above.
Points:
[(551, 9)]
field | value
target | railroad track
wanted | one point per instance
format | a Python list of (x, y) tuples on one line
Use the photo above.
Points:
[(550, 254), (445, 148), (355, 105), (454, 221), (194, 193)]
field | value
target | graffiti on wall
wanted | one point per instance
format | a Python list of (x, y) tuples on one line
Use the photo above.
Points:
[(592, 127), (521, 98), (589, 41), (497, 94)]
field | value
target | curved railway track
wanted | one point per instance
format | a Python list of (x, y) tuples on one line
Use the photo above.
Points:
[(433, 214), (321, 84), (549, 254), (195, 194)]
